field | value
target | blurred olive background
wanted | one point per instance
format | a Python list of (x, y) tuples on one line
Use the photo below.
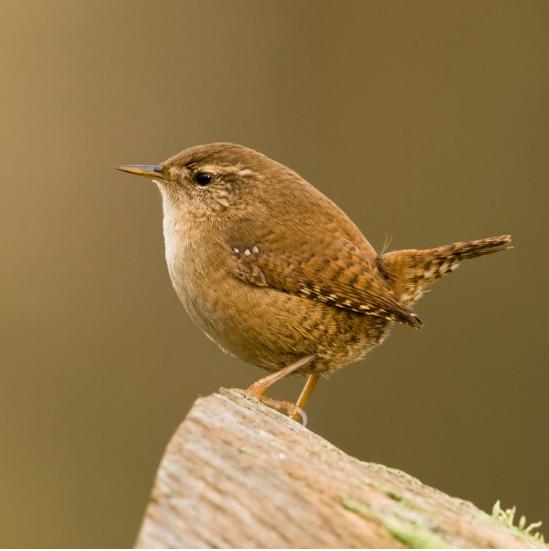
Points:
[(427, 121)]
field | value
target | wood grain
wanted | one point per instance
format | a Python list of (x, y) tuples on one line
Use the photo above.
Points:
[(238, 474)]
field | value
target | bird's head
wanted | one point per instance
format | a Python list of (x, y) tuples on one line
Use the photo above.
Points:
[(215, 181)]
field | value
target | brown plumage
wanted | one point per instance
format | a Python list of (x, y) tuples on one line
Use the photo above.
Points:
[(411, 270), (274, 272)]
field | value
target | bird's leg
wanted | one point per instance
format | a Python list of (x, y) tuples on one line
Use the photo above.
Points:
[(306, 393), (258, 389)]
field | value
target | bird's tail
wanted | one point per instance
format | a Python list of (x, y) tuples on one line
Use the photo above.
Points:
[(410, 271)]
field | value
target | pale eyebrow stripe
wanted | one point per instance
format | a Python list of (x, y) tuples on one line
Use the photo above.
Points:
[(245, 172)]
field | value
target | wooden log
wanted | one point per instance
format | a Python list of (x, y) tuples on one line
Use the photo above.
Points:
[(239, 474)]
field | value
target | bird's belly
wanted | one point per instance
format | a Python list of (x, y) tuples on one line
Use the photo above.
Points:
[(271, 328)]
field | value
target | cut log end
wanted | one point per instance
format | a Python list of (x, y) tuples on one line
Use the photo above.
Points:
[(238, 474)]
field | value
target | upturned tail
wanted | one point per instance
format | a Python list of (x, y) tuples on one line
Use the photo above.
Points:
[(410, 271)]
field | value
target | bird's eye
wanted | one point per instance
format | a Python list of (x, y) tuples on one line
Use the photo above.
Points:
[(203, 178)]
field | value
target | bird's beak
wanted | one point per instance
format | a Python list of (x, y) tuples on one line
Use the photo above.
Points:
[(149, 171)]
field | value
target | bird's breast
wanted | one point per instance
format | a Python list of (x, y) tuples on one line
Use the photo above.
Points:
[(187, 260), (262, 325)]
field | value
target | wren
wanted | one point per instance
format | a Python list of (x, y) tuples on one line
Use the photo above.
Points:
[(276, 274)]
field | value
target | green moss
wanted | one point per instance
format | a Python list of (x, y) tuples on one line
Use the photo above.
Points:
[(393, 495), (356, 506), (414, 536), (406, 532), (507, 518)]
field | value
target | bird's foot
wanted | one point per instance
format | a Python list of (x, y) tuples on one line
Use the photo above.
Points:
[(257, 390)]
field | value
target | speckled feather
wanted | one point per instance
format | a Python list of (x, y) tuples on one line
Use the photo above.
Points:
[(410, 271), (334, 272)]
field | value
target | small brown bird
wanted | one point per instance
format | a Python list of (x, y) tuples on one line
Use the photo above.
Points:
[(275, 273)]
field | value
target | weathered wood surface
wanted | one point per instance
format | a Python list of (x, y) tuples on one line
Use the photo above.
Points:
[(238, 474)]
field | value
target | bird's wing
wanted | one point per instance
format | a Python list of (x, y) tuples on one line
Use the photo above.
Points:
[(336, 273)]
